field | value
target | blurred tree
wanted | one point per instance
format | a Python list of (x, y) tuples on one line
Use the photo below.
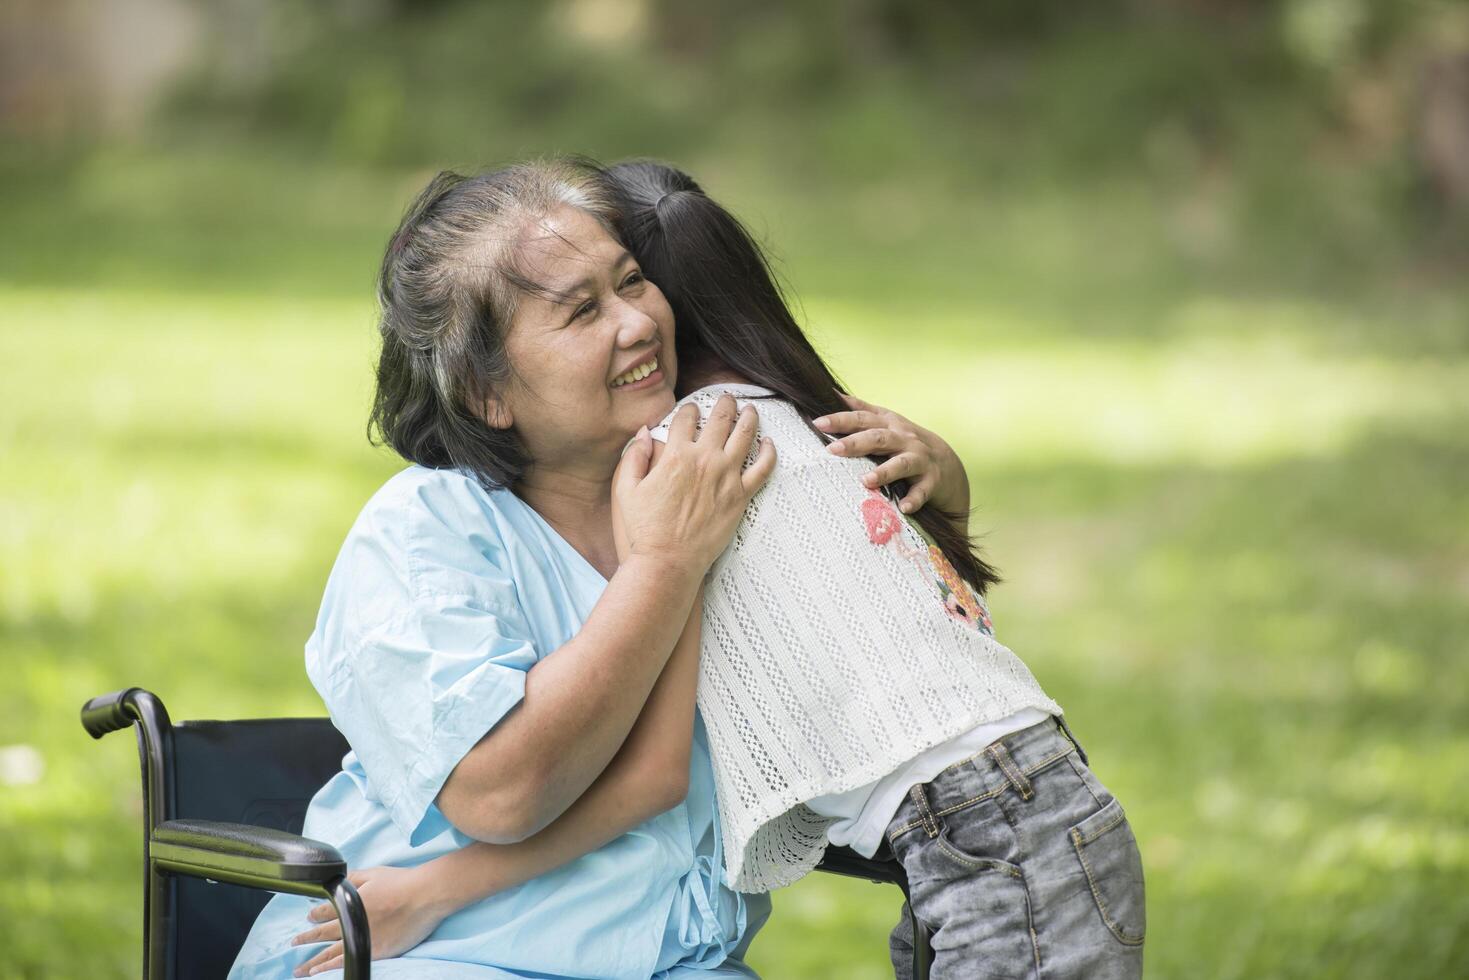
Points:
[(1443, 132), (71, 69)]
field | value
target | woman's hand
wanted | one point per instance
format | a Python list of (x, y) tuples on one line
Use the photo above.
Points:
[(399, 907), (685, 508), (931, 467), (619, 531)]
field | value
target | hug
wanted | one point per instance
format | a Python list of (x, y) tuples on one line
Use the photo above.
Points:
[(658, 613)]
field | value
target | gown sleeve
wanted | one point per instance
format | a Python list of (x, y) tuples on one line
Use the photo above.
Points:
[(421, 648)]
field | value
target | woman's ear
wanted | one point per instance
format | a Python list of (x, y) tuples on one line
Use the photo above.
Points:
[(497, 413)]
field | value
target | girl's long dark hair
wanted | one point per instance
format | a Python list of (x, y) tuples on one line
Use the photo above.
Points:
[(730, 312)]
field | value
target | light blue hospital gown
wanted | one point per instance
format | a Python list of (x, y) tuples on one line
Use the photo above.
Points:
[(442, 598)]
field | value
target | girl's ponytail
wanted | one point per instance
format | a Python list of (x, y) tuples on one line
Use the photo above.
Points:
[(729, 310)]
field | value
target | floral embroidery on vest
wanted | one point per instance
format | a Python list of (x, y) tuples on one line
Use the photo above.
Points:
[(881, 519), (959, 599), (883, 524)]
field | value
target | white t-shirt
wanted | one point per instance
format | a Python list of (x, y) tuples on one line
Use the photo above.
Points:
[(862, 815)]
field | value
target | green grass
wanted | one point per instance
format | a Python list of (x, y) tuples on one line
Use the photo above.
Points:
[(1238, 557), (1201, 342), (1218, 450)]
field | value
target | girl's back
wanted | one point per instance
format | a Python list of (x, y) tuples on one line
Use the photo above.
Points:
[(838, 644)]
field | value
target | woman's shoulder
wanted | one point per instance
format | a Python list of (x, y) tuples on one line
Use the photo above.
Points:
[(442, 496), (423, 484), (422, 517), (425, 539)]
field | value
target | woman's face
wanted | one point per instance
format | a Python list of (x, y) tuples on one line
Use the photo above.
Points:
[(593, 356)]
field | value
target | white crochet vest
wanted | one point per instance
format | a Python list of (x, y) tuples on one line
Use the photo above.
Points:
[(836, 646)]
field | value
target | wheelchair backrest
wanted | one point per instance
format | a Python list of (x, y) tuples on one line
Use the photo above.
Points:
[(262, 772)]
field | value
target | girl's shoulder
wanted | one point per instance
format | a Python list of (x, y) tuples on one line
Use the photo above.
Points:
[(780, 420), (706, 396), (741, 390)]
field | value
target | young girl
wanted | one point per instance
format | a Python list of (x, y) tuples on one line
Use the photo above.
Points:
[(850, 683)]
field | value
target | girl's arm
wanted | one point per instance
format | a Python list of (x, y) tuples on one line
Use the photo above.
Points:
[(648, 775)]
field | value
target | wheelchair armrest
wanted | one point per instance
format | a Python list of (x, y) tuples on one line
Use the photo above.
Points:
[(244, 855), (845, 861), (273, 860)]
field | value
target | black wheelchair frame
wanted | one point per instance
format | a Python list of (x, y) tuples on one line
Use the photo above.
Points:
[(223, 803)]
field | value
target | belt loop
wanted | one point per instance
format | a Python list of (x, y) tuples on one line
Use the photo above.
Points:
[(1066, 730), (925, 813), (1001, 755)]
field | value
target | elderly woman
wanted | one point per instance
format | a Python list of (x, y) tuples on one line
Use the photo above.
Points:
[(509, 638)]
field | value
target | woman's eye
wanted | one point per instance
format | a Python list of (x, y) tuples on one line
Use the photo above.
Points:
[(583, 310), (633, 278)]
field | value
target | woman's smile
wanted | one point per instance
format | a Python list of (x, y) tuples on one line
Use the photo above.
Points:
[(645, 374)]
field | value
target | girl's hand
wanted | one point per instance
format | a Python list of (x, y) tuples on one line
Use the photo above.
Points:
[(931, 467), (399, 907), (685, 508)]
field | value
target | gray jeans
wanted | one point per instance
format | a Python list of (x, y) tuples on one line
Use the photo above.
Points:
[(1022, 865)]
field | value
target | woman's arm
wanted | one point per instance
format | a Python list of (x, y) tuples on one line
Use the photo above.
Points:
[(580, 704), (581, 701), (648, 775), (934, 471)]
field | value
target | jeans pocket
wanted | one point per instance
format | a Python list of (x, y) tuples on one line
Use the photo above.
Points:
[(976, 838), (1109, 856), (966, 860)]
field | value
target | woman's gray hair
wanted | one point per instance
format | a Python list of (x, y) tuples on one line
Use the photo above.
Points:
[(447, 290)]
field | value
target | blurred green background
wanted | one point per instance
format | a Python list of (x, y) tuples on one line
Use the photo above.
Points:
[(1184, 283)]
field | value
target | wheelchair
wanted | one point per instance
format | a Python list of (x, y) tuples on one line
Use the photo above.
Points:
[(223, 807)]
